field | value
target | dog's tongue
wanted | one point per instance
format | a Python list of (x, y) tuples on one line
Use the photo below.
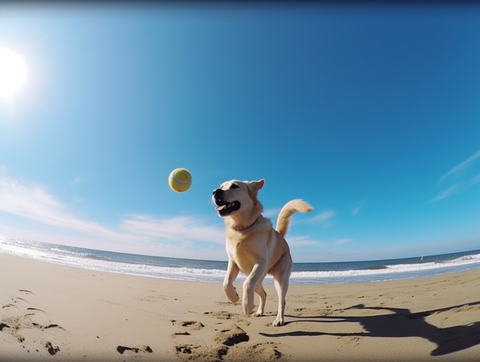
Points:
[(221, 207)]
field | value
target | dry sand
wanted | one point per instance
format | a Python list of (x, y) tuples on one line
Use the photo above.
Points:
[(56, 313)]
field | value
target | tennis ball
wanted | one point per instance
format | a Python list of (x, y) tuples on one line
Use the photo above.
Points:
[(180, 180)]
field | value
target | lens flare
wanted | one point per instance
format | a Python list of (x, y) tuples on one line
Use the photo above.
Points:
[(12, 73)]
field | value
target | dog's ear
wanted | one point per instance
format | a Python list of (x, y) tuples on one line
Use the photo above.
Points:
[(257, 185)]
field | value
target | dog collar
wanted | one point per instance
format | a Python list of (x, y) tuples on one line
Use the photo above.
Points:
[(248, 227)]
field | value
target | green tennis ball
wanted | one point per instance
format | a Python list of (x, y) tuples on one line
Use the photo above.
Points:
[(180, 180)]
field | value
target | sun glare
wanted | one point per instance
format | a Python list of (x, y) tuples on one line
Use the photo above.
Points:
[(12, 73)]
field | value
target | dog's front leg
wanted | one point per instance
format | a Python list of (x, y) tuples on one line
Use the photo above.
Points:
[(256, 275), (232, 272)]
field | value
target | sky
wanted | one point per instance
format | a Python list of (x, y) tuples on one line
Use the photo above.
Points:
[(369, 112)]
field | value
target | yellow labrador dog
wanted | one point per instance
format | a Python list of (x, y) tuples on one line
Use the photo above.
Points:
[(253, 246)]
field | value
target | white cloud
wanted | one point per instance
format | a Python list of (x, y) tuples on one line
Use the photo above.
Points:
[(33, 202), (358, 207), (454, 174), (323, 218), (301, 241), (457, 187), (135, 232), (444, 194), (176, 228), (461, 167)]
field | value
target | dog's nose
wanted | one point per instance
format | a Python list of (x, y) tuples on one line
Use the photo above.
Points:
[(216, 191)]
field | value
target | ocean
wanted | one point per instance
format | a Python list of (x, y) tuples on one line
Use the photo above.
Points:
[(214, 271)]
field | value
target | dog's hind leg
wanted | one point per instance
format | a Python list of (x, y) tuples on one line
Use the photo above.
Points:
[(263, 298), (281, 287), (230, 276), (281, 280)]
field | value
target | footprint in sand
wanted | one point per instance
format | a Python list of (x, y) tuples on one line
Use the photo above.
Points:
[(222, 315), (192, 352), (190, 325), (215, 352), (123, 349), (9, 305), (26, 291), (231, 336), (51, 349), (181, 334), (228, 344), (18, 317), (266, 352)]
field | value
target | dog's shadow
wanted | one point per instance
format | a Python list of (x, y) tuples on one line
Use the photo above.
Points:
[(397, 323)]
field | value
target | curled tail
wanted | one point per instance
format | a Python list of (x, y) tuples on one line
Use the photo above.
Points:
[(285, 215)]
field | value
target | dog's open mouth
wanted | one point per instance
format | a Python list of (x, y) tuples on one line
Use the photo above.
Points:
[(226, 208)]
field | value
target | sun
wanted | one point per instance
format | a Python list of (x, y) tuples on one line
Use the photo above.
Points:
[(12, 73)]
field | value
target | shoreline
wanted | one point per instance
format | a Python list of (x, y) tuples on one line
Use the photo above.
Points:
[(50, 311), (214, 271)]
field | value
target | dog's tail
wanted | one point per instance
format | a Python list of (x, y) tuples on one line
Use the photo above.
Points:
[(285, 215)]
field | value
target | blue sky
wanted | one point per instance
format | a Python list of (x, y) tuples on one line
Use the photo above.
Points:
[(370, 113)]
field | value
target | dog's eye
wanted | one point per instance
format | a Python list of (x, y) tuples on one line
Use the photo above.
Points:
[(234, 186)]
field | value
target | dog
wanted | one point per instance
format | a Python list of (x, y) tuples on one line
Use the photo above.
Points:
[(253, 246)]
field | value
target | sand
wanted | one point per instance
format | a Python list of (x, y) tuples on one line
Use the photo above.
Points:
[(52, 312)]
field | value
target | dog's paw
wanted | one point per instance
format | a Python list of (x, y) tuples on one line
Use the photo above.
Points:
[(278, 322), (231, 292), (258, 313), (247, 307), (248, 311)]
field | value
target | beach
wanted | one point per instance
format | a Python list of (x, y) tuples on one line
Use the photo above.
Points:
[(54, 312)]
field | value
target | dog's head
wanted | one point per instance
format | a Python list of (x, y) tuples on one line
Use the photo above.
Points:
[(236, 197)]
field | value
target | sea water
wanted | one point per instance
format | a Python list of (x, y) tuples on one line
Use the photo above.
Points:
[(214, 271)]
